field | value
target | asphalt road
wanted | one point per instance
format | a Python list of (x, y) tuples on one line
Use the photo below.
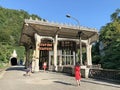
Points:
[(13, 79)]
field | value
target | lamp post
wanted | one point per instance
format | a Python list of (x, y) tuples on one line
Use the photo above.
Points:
[(79, 34)]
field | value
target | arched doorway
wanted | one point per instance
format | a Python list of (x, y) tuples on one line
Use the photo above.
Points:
[(13, 61), (46, 45)]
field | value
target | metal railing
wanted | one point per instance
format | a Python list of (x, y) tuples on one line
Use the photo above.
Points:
[(105, 74)]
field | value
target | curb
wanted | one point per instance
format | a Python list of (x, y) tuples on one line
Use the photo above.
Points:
[(2, 72), (100, 82)]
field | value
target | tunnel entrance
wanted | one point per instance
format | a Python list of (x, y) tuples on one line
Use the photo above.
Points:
[(13, 61)]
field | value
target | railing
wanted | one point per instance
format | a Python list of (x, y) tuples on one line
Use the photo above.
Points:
[(105, 74), (67, 69), (95, 73), (98, 66)]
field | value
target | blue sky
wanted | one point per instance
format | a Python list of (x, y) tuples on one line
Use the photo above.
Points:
[(90, 13)]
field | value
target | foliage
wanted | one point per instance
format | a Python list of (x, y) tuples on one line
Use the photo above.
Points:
[(11, 22), (96, 53), (110, 37)]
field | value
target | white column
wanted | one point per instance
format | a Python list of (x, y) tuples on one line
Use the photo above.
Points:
[(38, 40), (33, 61), (60, 57), (88, 52), (60, 63), (90, 57), (49, 59), (74, 57), (55, 52)]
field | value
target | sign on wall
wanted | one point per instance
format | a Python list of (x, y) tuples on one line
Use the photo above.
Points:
[(45, 46)]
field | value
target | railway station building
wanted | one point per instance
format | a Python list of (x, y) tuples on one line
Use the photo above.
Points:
[(57, 44)]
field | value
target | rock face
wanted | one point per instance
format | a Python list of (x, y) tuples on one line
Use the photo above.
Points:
[(13, 59)]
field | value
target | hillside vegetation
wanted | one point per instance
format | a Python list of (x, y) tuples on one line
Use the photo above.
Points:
[(11, 23)]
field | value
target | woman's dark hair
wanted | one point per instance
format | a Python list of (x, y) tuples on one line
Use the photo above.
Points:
[(77, 64)]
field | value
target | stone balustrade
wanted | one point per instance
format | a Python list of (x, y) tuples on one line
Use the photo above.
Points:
[(99, 73)]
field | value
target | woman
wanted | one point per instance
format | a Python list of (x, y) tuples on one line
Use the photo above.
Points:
[(77, 74), (44, 66)]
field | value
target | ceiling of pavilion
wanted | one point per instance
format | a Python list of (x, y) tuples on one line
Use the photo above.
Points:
[(50, 29)]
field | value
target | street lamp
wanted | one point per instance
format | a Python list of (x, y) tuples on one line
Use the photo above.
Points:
[(79, 34), (68, 16)]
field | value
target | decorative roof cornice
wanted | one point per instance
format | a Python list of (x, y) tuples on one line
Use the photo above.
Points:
[(61, 25)]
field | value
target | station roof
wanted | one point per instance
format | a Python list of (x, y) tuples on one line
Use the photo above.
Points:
[(44, 28)]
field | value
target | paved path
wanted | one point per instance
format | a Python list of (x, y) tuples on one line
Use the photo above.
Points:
[(14, 79)]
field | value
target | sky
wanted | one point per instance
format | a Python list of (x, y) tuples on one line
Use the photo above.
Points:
[(90, 13)]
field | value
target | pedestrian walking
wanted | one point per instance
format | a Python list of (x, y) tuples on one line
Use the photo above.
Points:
[(44, 66), (29, 70)]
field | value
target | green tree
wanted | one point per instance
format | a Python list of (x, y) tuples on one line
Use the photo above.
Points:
[(96, 53), (110, 36), (11, 23)]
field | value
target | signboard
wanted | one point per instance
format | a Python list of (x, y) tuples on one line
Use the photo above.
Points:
[(45, 46)]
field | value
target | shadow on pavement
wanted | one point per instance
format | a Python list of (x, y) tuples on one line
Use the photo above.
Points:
[(65, 83), (16, 68)]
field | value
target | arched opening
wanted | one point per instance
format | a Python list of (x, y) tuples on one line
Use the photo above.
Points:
[(13, 61), (46, 45)]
